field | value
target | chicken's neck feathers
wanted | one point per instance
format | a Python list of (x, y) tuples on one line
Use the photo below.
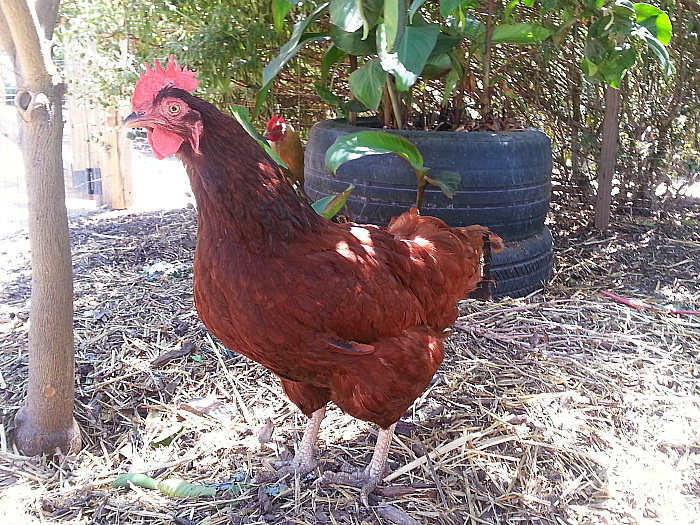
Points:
[(242, 195)]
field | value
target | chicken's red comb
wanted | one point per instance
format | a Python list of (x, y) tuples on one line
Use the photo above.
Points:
[(276, 119), (156, 79)]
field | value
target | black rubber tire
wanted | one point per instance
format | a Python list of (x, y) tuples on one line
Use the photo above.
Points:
[(505, 186), (523, 266)]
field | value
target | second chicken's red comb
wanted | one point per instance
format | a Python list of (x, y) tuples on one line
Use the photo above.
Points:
[(276, 119), (156, 79)]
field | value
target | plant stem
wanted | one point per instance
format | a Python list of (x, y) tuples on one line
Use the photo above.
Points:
[(395, 103), (352, 116), (422, 183), (387, 106), (486, 81), (460, 92), (407, 118)]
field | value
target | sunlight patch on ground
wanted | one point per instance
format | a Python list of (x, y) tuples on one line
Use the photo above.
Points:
[(13, 503)]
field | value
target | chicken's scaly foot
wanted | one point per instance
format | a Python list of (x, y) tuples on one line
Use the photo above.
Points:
[(304, 461), (368, 478)]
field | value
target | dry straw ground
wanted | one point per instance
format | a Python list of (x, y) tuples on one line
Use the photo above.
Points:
[(563, 408)]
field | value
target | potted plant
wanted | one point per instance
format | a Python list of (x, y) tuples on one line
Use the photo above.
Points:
[(391, 48)]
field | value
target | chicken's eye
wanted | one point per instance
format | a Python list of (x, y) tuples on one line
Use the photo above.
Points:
[(174, 109)]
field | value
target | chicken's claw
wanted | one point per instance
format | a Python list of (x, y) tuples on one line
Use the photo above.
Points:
[(361, 478), (368, 478), (304, 461), (299, 466)]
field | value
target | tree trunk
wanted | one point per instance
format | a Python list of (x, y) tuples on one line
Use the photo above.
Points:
[(608, 154), (46, 421)]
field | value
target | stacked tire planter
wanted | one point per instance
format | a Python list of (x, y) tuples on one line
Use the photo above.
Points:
[(505, 186)]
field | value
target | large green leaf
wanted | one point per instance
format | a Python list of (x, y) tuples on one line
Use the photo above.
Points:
[(274, 67), (599, 27), (332, 55), (391, 64), (351, 15), (415, 5), (470, 28), (355, 106), (624, 8), (447, 181), (520, 33), (445, 43), (296, 41), (656, 21), (408, 62), (345, 15), (363, 143), (614, 67), (657, 47), (417, 45), (436, 66), (327, 95), (329, 206), (590, 70), (353, 43), (595, 50), (280, 8), (450, 83), (370, 11), (395, 18), (260, 99), (367, 83), (448, 6), (330, 98), (243, 118), (264, 145)]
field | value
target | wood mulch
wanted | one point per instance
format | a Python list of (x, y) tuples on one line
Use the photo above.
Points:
[(566, 407)]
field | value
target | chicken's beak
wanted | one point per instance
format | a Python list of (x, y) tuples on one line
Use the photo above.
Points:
[(265, 134), (135, 120)]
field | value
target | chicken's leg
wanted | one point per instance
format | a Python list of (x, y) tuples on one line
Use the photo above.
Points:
[(303, 461), (369, 477)]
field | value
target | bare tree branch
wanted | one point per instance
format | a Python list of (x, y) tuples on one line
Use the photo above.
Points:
[(47, 14), (31, 48), (6, 42)]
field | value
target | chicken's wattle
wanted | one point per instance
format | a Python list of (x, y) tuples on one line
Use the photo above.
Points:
[(163, 143)]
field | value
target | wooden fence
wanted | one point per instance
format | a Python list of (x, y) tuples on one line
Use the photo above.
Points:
[(96, 153), (100, 154)]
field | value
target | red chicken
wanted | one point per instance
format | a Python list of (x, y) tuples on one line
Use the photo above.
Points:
[(287, 144), (349, 313)]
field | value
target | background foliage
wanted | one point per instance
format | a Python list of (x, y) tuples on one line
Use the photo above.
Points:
[(229, 42)]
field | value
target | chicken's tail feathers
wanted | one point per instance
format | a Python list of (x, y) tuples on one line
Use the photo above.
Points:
[(409, 224), (484, 242), (478, 244), (477, 236)]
